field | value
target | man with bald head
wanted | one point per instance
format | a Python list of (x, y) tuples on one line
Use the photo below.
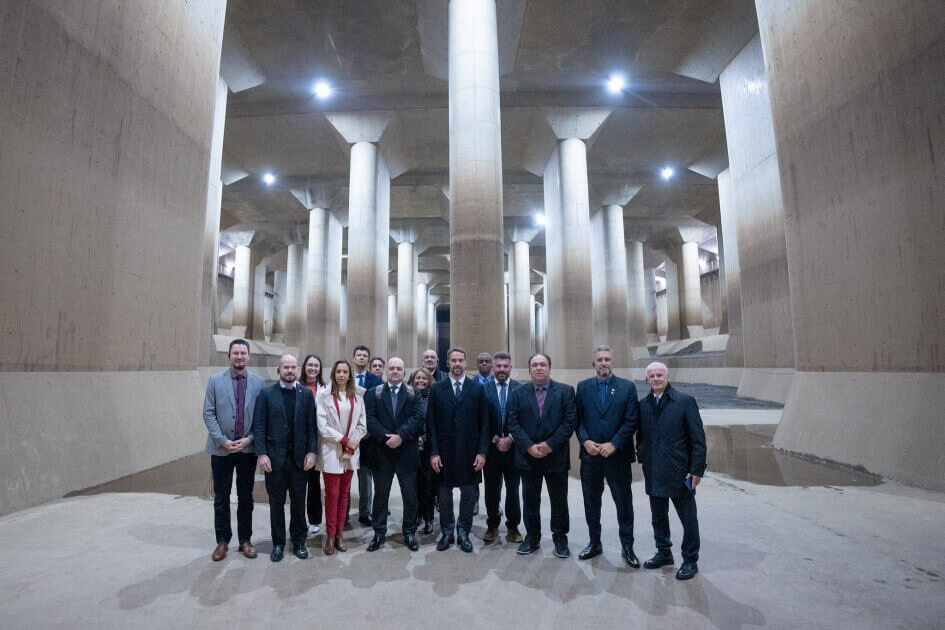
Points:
[(430, 361), (285, 443), (671, 449), (394, 427)]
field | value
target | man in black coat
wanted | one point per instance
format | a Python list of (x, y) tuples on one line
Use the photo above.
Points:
[(394, 428), (366, 379), (285, 441), (430, 361), (458, 427), (608, 416), (542, 417), (671, 449), (500, 463)]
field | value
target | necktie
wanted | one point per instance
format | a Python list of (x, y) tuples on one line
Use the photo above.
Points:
[(540, 394), (502, 408), (360, 380), (602, 393), (457, 389), (393, 398)]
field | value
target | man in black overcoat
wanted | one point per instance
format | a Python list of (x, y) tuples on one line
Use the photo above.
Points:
[(671, 449), (394, 429), (458, 428), (542, 417), (284, 440)]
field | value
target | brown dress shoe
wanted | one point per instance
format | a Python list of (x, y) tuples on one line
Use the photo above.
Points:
[(340, 543), (219, 552), (490, 535), (329, 545), (248, 550), (513, 535)]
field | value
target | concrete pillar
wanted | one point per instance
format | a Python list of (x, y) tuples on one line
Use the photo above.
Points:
[(294, 295), (343, 324), (391, 322), (323, 284), (539, 328), (649, 294), (476, 231), (407, 315), (690, 295), (243, 281), (364, 324), (532, 308), (420, 299), (637, 294), (856, 103), (260, 307), (673, 319), (521, 343), (279, 305), (433, 330)]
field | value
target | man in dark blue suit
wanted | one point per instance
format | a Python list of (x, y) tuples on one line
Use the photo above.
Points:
[(542, 417), (363, 377), (672, 451), (608, 417), (284, 441), (458, 427), (500, 463)]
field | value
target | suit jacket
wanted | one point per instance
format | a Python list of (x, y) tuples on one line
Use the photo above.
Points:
[(616, 422), (331, 430), (219, 410), (370, 380), (458, 429), (271, 427), (555, 426), (671, 442), (495, 416), (382, 419)]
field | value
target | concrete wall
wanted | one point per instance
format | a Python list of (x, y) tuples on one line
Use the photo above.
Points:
[(735, 353), (857, 102), (106, 119), (710, 291)]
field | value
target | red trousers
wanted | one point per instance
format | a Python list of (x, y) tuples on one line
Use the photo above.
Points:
[(337, 490)]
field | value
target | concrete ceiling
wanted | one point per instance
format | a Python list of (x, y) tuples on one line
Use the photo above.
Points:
[(389, 55)]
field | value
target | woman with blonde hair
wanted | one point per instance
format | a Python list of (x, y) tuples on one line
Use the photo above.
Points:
[(342, 424)]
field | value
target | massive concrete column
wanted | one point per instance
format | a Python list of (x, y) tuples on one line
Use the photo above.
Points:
[(690, 287), (279, 282), (424, 332), (323, 284), (476, 238), (860, 145), (650, 262), (294, 295), (521, 342), (673, 320), (243, 281), (260, 271), (752, 218), (391, 322), (613, 276), (433, 330), (637, 291), (567, 237), (346, 348), (407, 315)]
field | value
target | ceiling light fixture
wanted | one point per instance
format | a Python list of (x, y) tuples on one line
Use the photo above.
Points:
[(322, 90), (269, 179), (539, 218), (615, 84), (667, 173)]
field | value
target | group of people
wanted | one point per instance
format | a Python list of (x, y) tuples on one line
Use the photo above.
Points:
[(437, 431)]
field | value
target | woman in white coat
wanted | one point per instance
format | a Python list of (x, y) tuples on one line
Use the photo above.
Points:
[(342, 424)]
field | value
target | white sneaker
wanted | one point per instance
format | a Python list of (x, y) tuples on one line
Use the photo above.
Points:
[(314, 529)]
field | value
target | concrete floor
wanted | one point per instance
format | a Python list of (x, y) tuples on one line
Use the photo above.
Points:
[(826, 553)]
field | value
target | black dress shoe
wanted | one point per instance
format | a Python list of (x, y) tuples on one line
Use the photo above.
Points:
[(630, 557), (427, 527), (592, 550), (411, 541), (561, 548), (444, 542), (301, 552), (687, 571), (376, 542), (528, 546), (661, 559), (277, 552), (464, 543), (365, 520)]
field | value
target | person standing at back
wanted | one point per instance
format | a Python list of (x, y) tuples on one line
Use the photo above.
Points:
[(500, 463), (228, 413), (312, 378), (365, 379)]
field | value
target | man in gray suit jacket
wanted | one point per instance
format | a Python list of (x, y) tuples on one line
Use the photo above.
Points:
[(228, 414)]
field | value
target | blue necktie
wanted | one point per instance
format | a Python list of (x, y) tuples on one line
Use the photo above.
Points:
[(502, 408), (602, 392), (457, 389), (393, 398), (360, 380)]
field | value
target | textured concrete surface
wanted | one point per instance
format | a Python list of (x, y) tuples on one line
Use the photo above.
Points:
[(775, 556)]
